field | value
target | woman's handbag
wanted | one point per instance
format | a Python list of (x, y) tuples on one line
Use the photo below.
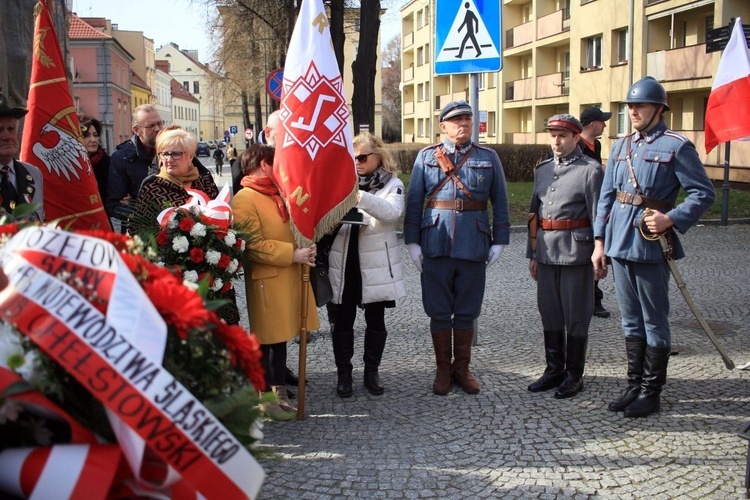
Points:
[(321, 285)]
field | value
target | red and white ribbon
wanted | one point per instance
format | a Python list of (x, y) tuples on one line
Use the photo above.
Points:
[(217, 212)]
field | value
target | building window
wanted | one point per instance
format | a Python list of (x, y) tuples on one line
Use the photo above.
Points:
[(620, 46), (420, 92), (427, 53), (420, 56), (186, 85), (482, 81), (622, 120), (196, 87), (420, 20), (491, 124), (593, 55)]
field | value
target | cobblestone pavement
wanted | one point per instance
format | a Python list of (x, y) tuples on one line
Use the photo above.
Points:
[(508, 442)]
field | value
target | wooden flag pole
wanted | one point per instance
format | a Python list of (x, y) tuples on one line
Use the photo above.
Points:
[(303, 343)]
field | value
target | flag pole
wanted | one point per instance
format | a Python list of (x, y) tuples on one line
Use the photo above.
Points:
[(725, 186), (303, 343)]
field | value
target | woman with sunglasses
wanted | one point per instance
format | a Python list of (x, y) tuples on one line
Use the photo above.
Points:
[(365, 264)]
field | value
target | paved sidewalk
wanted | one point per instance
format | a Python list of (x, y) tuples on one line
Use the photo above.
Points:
[(508, 443)]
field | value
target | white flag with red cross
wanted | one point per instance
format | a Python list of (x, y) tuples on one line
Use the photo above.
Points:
[(314, 162)]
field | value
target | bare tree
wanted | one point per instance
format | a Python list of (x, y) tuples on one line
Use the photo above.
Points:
[(391, 75)]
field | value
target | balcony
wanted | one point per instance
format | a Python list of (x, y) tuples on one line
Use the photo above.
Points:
[(409, 73), (551, 85), (519, 138), (409, 39), (442, 100), (553, 24), (408, 108), (520, 35), (685, 63), (518, 90)]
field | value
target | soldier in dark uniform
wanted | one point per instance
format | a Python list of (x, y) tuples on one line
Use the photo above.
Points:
[(646, 169), (561, 241), (450, 239), (594, 120)]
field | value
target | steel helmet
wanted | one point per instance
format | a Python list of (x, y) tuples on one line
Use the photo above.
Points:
[(647, 90)]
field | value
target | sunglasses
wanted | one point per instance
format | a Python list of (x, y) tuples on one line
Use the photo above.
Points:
[(176, 155), (363, 157)]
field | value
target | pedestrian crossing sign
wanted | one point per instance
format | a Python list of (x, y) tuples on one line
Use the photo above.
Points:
[(467, 36)]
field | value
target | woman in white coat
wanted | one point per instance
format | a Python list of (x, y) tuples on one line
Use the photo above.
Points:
[(365, 264)]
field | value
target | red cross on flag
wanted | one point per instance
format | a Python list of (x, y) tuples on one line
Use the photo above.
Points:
[(314, 162), (52, 139)]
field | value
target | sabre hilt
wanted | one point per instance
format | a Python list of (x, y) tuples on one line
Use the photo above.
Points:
[(643, 228)]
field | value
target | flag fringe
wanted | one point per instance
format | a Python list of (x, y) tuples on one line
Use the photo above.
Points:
[(328, 221)]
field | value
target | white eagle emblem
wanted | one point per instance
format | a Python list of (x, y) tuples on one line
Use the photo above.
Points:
[(65, 157)]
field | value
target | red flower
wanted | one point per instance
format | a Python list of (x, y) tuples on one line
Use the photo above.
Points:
[(227, 286), (238, 243), (179, 306), (9, 229), (162, 238), (244, 350), (224, 261), (186, 224), (196, 255)]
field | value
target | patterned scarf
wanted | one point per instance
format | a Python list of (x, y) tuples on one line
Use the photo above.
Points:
[(374, 181), (96, 157), (266, 186), (184, 181)]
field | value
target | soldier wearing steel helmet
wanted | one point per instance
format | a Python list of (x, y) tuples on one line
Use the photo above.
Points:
[(646, 170), (561, 241)]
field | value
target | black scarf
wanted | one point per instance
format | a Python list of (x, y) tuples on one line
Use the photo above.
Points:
[(374, 181)]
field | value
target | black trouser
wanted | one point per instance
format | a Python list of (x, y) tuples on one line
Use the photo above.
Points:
[(347, 313), (274, 363)]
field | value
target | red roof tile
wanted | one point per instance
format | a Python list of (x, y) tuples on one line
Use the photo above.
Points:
[(80, 30)]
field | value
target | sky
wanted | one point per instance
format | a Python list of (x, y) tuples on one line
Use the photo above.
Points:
[(183, 22)]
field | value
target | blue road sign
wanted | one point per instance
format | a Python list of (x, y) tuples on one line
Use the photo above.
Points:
[(274, 83), (467, 36), (233, 129)]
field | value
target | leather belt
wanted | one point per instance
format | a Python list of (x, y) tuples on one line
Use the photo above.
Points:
[(638, 200), (458, 205), (551, 224)]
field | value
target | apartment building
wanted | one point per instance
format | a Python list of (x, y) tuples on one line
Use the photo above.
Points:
[(560, 56)]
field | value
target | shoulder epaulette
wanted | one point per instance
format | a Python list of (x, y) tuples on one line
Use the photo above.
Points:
[(544, 161), (671, 133)]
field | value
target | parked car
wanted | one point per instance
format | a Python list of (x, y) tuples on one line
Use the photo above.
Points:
[(203, 149), (221, 144), (212, 144)]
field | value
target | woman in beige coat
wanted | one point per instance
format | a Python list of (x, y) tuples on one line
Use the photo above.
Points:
[(273, 270)]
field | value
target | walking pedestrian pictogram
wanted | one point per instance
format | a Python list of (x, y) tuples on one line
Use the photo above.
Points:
[(467, 34)]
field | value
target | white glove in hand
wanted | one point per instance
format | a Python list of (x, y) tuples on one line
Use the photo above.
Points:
[(495, 252), (415, 252)]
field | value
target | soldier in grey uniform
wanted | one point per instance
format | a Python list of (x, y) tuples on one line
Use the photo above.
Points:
[(560, 244), (450, 240)]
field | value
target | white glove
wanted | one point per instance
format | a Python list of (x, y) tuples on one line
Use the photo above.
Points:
[(495, 252), (415, 252)]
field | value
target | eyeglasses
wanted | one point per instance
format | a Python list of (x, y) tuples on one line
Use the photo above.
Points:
[(159, 124), (176, 155), (363, 157)]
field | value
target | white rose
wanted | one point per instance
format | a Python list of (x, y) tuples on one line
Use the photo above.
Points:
[(233, 265), (198, 230), (230, 239), (217, 285), (242, 247), (180, 244), (212, 257), (256, 430), (172, 221), (190, 285)]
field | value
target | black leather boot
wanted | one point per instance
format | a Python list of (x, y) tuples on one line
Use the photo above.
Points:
[(374, 346), (654, 378), (554, 352), (635, 350), (575, 361), (343, 350)]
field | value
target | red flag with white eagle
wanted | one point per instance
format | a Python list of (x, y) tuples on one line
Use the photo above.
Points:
[(52, 137), (728, 109), (314, 162)]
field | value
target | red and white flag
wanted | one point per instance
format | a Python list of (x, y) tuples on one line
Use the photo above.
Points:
[(728, 110), (314, 162), (52, 137)]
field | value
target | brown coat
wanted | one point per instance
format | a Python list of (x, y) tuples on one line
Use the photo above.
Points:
[(272, 280)]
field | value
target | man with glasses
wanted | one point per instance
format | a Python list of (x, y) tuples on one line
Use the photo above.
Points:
[(450, 239), (129, 165)]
